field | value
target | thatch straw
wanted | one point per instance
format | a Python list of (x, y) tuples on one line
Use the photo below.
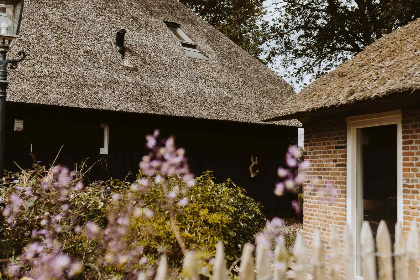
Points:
[(72, 61), (389, 66)]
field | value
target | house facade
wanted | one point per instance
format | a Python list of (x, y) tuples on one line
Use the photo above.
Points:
[(100, 75), (362, 135)]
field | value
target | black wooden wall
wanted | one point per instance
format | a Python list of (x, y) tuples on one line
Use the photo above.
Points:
[(222, 147)]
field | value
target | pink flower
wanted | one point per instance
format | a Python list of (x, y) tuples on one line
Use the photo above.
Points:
[(305, 164), (148, 213), (92, 230), (183, 202), (282, 173), (135, 187), (290, 185), (151, 142), (300, 179), (158, 179), (172, 194), (156, 133), (291, 162), (296, 152), (296, 206), (279, 191)]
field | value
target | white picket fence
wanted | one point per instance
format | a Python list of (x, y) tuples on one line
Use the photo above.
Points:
[(268, 266)]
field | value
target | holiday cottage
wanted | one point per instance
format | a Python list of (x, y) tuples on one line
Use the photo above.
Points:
[(100, 75), (362, 134)]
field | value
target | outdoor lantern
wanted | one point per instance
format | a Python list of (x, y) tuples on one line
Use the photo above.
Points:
[(10, 18)]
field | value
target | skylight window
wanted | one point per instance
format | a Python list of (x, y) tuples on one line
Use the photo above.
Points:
[(189, 46)]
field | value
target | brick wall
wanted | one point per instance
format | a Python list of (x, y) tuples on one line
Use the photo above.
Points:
[(325, 148), (411, 167)]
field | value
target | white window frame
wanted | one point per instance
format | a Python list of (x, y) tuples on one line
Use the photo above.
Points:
[(190, 48), (353, 124), (104, 149)]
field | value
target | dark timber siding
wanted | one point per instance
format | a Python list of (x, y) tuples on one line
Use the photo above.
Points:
[(222, 147)]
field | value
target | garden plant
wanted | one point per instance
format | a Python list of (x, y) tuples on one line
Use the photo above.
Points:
[(55, 227)]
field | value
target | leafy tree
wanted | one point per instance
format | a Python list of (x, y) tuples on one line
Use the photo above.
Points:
[(313, 36), (240, 20)]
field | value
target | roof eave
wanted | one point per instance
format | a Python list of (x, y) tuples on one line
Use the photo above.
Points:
[(368, 106)]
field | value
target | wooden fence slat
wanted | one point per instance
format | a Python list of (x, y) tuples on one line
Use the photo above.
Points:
[(399, 251), (220, 271), (383, 243), (162, 269), (318, 258), (246, 271), (301, 255), (413, 252), (280, 262), (263, 261), (349, 257), (189, 268), (368, 253), (142, 276), (335, 255)]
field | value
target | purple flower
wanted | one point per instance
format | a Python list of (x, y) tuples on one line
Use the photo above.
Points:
[(79, 186), (279, 191), (172, 194), (305, 165), (300, 179), (135, 187), (156, 133), (183, 202), (282, 173), (296, 152), (296, 206), (65, 207), (277, 222), (92, 230), (143, 182), (151, 142), (143, 260), (290, 185), (291, 162), (158, 179), (148, 213)]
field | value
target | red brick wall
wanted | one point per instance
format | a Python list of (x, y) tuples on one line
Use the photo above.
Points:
[(411, 167), (325, 148)]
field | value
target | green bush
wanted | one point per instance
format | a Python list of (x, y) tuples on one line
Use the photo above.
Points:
[(214, 212), (40, 204)]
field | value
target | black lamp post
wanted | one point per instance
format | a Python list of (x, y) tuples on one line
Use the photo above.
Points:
[(10, 18)]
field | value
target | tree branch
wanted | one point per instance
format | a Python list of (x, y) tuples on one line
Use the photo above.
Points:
[(305, 6), (367, 34)]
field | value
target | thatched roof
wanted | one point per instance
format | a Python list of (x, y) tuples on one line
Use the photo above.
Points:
[(73, 61), (389, 66)]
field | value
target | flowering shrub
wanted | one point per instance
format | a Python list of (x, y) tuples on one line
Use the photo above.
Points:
[(293, 176), (42, 214), (277, 228), (214, 212), (54, 227)]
